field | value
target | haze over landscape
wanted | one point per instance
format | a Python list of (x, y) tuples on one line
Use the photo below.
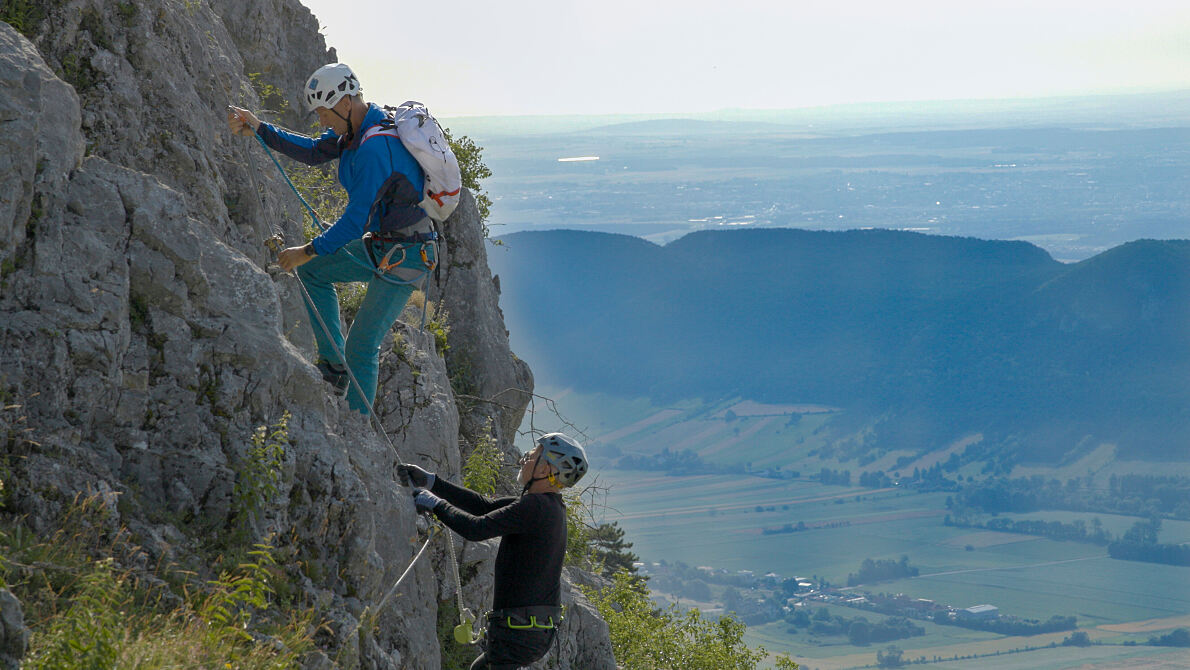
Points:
[(544, 57), (1074, 177), (947, 337), (873, 318), (869, 313)]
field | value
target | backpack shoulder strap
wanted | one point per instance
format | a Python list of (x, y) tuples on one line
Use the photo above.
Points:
[(385, 128)]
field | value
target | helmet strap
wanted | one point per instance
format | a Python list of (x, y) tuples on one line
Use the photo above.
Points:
[(350, 125), (532, 479), (552, 478)]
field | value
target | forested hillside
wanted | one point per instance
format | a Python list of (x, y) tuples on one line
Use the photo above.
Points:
[(924, 337)]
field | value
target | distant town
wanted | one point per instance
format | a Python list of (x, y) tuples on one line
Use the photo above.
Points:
[(759, 599)]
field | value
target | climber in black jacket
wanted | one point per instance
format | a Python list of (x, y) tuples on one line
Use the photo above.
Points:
[(532, 531)]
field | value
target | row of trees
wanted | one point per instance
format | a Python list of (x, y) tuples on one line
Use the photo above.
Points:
[(1140, 544), (1076, 531), (859, 630), (684, 462), (880, 570), (834, 477), (1013, 626), (1177, 638), (875, 480), (1168, 493), (1138, 495), (924, 481), (1168, 554), (802, 526)]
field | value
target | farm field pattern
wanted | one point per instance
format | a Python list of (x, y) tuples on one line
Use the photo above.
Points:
[(713, 520)]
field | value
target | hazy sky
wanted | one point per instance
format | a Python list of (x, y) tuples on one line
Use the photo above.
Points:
[(558, 56)]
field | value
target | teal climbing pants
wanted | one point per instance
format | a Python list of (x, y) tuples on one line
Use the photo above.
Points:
[(382, 304)]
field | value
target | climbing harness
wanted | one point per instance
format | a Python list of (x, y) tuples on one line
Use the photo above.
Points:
[(532, 618), (275, 244), (383, 275), (535, 617), (400, 243), (464, 632)]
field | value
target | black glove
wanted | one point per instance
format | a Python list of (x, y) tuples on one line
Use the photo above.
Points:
[(425, 501), (411, 475)]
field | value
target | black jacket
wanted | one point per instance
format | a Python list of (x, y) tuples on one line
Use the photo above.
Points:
[(532, 532)]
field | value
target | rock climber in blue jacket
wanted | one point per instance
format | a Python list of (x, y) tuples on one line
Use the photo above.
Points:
[(383, 183)]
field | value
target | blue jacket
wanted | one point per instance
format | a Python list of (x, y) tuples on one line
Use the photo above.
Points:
[(364, 170)]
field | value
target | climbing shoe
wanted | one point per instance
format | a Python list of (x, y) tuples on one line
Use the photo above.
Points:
[(335, 375)]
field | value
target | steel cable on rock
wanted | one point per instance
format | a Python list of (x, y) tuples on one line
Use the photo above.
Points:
[(383, 276), (466, 618), (434, 531)]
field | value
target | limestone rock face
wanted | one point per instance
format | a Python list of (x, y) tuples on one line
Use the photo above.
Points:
[(490, 380), (14, 636), (584, 642), (143, 338), (142, 345)]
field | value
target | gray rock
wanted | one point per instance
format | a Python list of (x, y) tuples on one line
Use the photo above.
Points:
[(482, 367), (584, 638), (143, 340), (40, 142), (14, 635)]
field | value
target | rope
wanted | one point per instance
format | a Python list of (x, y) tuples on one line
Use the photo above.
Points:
[(293, 188), (350, 375), (466, 618), (454, 564), (384, 276), (434, 531)]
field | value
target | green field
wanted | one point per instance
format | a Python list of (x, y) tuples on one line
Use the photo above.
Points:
[(718, 521), (805, 437), (776, 638), (713, 520), (1018, 658), (1173, 532), (770, 436)]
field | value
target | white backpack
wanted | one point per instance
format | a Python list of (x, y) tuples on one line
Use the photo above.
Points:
[(423, 137)]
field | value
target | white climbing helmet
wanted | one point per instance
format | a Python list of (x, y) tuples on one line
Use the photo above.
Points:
[(329, 84), (566, 454)]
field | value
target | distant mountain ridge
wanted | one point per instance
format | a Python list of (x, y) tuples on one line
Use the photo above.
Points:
[(927, 337), (1159, 108), (679, 126)]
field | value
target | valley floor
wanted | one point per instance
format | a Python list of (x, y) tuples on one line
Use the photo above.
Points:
[(718, 522)]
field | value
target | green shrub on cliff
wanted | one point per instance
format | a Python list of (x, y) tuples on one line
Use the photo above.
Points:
[(87, 608), (645, 638)]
